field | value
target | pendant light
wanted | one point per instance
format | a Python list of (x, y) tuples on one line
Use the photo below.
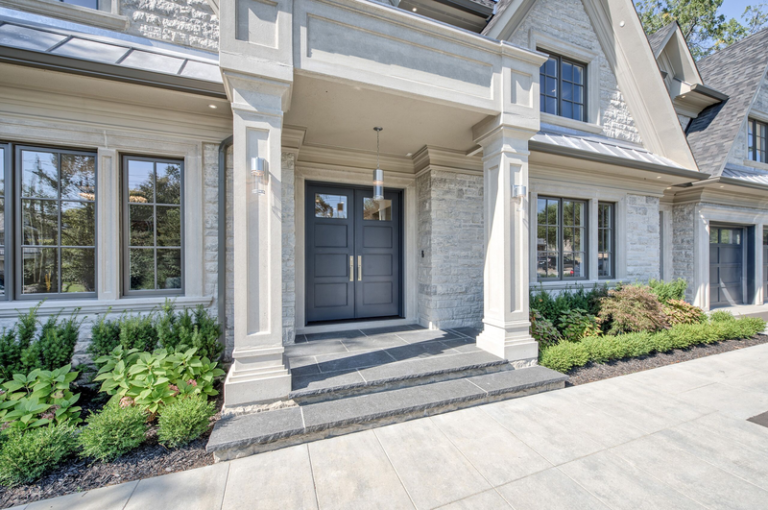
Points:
[(378, 174)]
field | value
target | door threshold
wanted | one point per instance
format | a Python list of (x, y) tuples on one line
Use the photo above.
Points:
[(352, 325)]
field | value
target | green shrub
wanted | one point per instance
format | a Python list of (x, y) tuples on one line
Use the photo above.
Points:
[(632, 308), (552, 305), (105, 336), (26, 456), (577, 324), (113, 432), (667, 291), (567, 355), (184, 420), (191, 329), (138, 332), (543, 331), (721, 316), (680, 312)]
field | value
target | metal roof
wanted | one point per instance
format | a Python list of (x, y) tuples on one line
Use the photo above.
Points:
[(31, 39), (744, 173), (595, 145)]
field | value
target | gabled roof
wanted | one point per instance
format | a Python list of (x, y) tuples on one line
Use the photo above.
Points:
[(660, 38), (737, 71)]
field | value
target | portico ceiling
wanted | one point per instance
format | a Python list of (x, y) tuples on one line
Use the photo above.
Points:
[(343, 115)]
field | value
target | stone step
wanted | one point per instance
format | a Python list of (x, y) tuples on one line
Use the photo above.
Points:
[(318, 387), (244, 435)]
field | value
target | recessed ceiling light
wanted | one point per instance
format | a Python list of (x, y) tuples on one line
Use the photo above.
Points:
[(670, 187), (658, 177), (212, 106), (414, 9), (409, 154)]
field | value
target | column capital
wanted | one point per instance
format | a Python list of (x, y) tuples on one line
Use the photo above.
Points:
[(251, 93), (494, 132)]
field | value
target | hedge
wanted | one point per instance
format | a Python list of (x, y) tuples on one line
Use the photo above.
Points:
[(600, 349)]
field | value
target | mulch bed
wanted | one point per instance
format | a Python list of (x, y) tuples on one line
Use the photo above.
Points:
[(78, 475), (592, 372)]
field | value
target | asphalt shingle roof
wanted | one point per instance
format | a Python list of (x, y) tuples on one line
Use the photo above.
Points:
[(660, 36), (736, 71)]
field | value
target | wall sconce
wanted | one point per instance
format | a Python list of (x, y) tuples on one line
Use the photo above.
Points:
[(519, 192), (259, 173)]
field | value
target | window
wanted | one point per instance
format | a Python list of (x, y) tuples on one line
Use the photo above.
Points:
[(561, 239), (91, 4), (605, 239), (378, 210), (757, 140), (153, 226), (330, 206), (563, 88)]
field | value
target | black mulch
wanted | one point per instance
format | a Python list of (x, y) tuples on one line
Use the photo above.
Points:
[(592, 372), (78, 475)]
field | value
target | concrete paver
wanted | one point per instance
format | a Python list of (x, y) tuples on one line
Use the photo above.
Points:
[(672, 438)]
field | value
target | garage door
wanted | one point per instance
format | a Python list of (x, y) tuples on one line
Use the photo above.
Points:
[(726, 259)]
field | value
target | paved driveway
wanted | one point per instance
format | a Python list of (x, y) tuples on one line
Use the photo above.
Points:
[(670, 438)]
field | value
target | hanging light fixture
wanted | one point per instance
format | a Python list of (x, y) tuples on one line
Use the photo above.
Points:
[(378, 174)]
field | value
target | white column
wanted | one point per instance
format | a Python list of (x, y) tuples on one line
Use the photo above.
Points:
[(259, 372), (506, 272)]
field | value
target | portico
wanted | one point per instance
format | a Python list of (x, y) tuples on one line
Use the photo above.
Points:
[(308, 80)]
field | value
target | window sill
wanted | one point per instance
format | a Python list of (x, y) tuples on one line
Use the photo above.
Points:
[(11, 309), (569, 123), (566, 285), (69, 12), (756, 164)]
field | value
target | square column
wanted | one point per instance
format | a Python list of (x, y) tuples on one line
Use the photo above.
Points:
[(259, 373), (506, 266)]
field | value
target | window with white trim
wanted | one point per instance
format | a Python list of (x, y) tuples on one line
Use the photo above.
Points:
[(563, 85), (606, 240), (561, 246), (757, 140)]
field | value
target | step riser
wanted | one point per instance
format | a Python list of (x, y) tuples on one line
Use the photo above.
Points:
[(377, 421), (337, 392)]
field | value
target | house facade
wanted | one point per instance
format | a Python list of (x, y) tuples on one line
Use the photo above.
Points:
[(222, 153)]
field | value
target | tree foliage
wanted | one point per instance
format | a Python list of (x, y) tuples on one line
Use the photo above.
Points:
[(704, 29)]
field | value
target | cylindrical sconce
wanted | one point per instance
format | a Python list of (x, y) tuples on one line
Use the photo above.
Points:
[(378, 184), (520, 192), (259, 172)]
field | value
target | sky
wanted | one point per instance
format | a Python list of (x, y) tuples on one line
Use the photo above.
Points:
[(735, 8)]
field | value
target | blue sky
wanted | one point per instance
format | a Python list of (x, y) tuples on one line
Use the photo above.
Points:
[(735, 8)]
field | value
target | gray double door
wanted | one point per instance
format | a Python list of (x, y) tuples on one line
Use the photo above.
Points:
[(354, 254), (726, 266)]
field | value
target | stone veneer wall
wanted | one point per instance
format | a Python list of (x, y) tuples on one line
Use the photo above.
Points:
[(567, 20), (289, 247), (450, 233), (185, 22), (643, 238), (683, 245)]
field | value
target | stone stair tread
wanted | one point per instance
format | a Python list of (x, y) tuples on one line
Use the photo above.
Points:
[(312, 384), (270, 426)]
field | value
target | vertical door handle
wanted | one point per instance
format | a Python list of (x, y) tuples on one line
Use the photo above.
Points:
[(359, 268), (351, 268)]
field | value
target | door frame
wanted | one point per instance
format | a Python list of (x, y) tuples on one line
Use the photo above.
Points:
[(361, 176), (351, 210)]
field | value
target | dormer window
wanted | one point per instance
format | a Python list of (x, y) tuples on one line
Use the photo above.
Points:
[(564, 88), (91, 4), (757, 140)]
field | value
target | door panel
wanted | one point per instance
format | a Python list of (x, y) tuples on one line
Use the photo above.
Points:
[(726, 261), (377, 243), (329, 249)]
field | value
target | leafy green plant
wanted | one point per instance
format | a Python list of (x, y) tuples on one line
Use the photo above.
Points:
[(552, 306), (191, 329), (113, 432), (105, 336), (632, 308), (721, 316), (667, 291), (184, 420), (26, 456), (40, 398), (567, 355), (577, 324), (680, 312), (543, 331), (138, 332)]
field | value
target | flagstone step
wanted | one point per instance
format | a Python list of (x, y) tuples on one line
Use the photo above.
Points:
[(244, 435)]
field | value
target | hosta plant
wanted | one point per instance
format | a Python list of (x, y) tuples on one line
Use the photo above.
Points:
[(40, 398)]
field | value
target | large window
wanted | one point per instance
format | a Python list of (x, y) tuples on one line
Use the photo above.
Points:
[(153, 226), (563, 85), (92, 4), (562, 239), (47, 223), (605, 239), (757, 140)]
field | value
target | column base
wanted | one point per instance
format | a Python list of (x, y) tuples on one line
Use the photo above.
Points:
[(257, 376), (512, 343)]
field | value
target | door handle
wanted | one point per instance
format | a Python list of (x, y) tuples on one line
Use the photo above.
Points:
[(359, 268), (351, 268)]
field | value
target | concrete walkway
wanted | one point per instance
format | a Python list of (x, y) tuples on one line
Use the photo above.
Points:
[(670, 438)]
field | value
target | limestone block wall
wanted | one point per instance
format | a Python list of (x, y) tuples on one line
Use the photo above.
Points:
[(567, 20), (450, 233), (289, 247), (185, 22), (643, 238), (683, 245)]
